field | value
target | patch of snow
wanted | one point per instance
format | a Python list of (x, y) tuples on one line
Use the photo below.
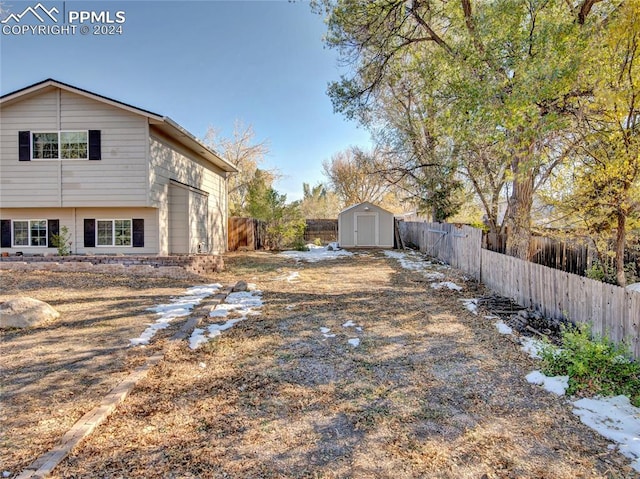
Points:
[(6, 473), (242, 303), (355, 342), (292, 277), (531, 346), (359, 328), (197, 338), (202, 365), (491, 317), (503, 328), (471, 304), (446, 284), (325, 330), (315, 254), (179, 307), (348, 324), (408, 260), (617, 420), (289, 307), (556, 384)]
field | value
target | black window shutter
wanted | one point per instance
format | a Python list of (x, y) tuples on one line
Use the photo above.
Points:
[(138, 233), (89, 233), (53, 228), (24, 145), (5, 229), (95, 150)]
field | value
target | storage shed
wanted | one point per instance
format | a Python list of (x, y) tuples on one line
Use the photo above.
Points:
[(365, 225)]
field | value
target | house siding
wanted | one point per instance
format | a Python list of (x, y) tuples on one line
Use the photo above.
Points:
[(170, 161), (73, 219), (118, 179)]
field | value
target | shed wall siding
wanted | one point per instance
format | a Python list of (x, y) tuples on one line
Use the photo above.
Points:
[(170, 161), (347, 223), (118, 179)]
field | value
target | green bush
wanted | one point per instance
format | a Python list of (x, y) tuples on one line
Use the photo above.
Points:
[(299, 245), (595, 365), (62, 241)]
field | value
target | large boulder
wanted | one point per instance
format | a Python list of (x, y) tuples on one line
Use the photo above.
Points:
[(25, 312)]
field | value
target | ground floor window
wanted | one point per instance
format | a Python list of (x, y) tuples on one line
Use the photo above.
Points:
[(30, 233), (113, 232)]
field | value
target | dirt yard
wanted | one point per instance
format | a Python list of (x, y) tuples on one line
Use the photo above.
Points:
[(430, 391)]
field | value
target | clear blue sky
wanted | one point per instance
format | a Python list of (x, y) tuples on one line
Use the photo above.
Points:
[(204, 63)]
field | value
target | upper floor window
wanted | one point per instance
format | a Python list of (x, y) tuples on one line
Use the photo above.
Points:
[(63, 145), (59, 145)]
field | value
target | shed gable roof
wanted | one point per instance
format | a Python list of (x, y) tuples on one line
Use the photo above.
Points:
[(163, 123), (365, 203)]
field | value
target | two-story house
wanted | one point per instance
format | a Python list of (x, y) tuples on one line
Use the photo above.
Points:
[(121, 179)]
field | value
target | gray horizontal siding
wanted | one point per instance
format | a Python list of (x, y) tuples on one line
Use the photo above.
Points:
[(118, 179)]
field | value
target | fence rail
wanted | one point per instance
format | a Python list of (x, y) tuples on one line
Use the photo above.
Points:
[(609, 309)]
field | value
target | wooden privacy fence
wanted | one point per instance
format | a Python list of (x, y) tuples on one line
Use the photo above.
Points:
[(556, 294), (245, 233), (325, 230), (456, 245)]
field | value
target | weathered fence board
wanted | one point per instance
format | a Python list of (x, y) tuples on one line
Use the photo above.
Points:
[(457, 245), (245, 233), (556, 294), (325, 230)]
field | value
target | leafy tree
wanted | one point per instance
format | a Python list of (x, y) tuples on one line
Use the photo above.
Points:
[(284, 223), (319, 202), (508, 66), (606, 187), (353, 175), (245, 154)]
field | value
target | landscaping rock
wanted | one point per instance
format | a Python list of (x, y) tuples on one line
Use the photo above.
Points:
[(25, 312), (240, 286)]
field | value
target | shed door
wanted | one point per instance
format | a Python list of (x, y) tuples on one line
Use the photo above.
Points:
[(365, 230)]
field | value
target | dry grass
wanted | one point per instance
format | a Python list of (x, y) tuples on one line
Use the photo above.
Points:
[(432, 391)]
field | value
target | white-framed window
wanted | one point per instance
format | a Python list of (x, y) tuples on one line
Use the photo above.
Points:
[(60, 145), (29, 233), (113, 232)]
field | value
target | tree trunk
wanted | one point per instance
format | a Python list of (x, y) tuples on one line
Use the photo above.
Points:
[(519, 213), (620, 241)]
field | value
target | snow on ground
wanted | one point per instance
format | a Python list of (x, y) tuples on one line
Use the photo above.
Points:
[(612, 417), (446, 284), (292, 277), (503, 328), (471, 304), (241, 304), (317, 253), (532, 346), (326, 332), (617, 420), (179, 307), (556, 384)]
